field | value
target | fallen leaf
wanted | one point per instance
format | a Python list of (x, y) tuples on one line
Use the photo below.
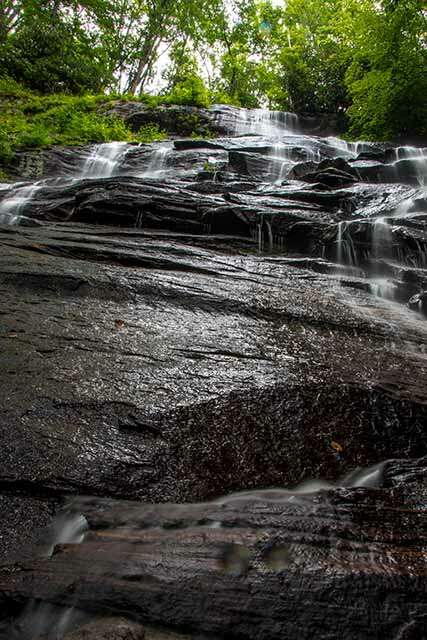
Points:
[(119, 323), (336, 446)]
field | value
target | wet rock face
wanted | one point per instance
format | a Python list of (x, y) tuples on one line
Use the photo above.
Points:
[(184, 371), (108, 629), (251, 565), (418, 302), (193, 318)]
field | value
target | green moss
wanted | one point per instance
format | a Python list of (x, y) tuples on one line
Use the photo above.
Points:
[(209, 167)]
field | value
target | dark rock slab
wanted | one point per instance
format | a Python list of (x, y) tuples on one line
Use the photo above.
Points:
[(108, 629), (129, 354), (47, 163), (255, 165), (418, 302), (339, 563), (330, 177)]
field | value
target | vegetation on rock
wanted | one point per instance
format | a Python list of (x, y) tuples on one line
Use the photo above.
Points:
[(363, 60), (30, 120)]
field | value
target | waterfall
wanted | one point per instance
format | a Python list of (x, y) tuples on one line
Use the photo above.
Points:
[(260, 237), (346, 252), (409, 153), (383, 288), (68, 529), (104, 160), (340, 231), (270, 235), (382, 238), (158, 161), (263, 122), (272, 125), (12, 207), (404, 208), (417, 157), (42, 619)]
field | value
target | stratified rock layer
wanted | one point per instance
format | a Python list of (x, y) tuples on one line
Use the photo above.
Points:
[(345, 563), (193, 318)]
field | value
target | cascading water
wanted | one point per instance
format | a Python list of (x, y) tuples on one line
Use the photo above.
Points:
[(158, 162), (262, 122), (382, 238), (346, 254), (13, 205), (414, 156), (378, 231), (104, 160), (42, 619), (377, 241)]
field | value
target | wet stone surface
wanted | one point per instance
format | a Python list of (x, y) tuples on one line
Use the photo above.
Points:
[(188, 319)]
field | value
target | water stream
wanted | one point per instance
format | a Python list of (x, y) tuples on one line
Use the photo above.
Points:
[(104, 160), (15, 201), (157, 166)]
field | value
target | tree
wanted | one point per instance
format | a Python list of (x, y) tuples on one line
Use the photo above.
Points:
[(165, 22), (386, 80), (185, 84), (10, 15), (50, 50)]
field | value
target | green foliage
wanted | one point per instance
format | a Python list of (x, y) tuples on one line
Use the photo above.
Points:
[(362, 60), (190, 91), (29, 120), (185, 84), (387, 81), (54, 55), (150, 132), (209, 167)]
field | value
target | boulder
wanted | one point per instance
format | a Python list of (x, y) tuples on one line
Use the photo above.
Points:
[(175, 120), (300, 169), (418, 302), (255, 165), (331, 178)]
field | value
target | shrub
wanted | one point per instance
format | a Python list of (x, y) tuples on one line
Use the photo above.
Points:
[(29, 120), (150, 132), (189, 91)]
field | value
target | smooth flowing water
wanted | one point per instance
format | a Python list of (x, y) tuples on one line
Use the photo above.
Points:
[(15, 201), (262, 122), (157, 165), (104, 160)]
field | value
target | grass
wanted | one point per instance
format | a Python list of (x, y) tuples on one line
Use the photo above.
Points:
[(32, 121)]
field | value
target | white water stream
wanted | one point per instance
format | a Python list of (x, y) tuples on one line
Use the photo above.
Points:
[(157, 165), (104, 160), (12, 207)]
